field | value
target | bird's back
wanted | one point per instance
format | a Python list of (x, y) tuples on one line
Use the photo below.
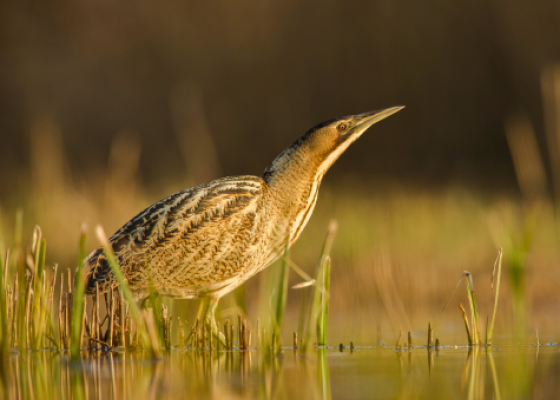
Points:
[(194, 243)]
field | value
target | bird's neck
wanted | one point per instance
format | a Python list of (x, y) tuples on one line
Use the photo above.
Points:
[(293, 180)]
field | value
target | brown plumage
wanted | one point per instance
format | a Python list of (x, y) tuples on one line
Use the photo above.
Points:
[(207, 240)]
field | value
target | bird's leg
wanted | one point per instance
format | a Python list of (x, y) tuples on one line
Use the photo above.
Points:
[(210, 320)]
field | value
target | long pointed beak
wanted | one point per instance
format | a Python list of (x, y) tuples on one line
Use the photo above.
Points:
[(365, 120)]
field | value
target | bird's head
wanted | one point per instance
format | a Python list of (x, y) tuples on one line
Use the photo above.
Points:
[(321, 146), (328, 140)]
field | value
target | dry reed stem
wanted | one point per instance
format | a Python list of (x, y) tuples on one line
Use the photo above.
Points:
[(239, 327), (28, 309), (122, 318), (128, 328), (398, 345), (244, 335), (169, 330), (15, 313), (182, 333), (466, 320), (111, 313), (51, 301), (538, 342), (203, 329), (63, 319), (258, 333), (96, 316), (430, 335), (68, 316), (152, 329), (85, 327), (227, 334), (295, 340), (60, 312)]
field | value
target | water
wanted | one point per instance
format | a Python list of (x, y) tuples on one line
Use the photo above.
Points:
[(515, 372)]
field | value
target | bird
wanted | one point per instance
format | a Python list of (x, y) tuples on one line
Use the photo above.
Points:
[(205, 241)]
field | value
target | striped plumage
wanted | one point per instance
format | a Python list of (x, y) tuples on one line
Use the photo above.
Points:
[(207, 240)]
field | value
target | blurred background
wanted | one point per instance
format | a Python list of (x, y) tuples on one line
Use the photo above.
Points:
[(107, 107)]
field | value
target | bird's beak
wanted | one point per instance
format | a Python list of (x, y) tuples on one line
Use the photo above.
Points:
[(363, 121)]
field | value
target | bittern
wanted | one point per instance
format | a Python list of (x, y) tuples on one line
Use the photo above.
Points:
[(205, 241)]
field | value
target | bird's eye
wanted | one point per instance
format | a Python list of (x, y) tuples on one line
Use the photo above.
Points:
[(342, 127)]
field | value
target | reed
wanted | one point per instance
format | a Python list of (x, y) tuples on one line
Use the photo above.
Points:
[(496, 273), (473, 332), (281, 298), (78, 309), (318, 302), (398, 345), (323, 320), (111, 309), (466, 320), (430, 336), (40, 247), (474, 309)]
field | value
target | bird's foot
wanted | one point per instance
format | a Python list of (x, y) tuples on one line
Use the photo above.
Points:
[(210, 321), (213, 326)]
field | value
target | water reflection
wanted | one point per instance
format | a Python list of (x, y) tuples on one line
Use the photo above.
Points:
[(374, 372)]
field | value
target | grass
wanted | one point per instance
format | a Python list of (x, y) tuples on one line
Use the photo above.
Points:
[(473, 330), (33, 316), (325, 287), (79, 296), (155, 330), (427, 236), (496, 273), (319, 308), (281, 298)]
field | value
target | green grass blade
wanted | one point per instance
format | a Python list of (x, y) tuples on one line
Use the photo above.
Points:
[(79, 295), (38, 300), (281, 298), (474, 310), (316, 304), (314, 309), (497, 294), (21, 309), (322, 321), (44, 312)]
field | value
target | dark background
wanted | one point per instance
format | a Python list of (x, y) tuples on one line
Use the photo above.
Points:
[(255, 75)]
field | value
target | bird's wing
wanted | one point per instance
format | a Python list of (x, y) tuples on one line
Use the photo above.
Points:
[(196, 237)]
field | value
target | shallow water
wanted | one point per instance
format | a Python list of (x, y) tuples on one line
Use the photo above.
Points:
[(365, 373)]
